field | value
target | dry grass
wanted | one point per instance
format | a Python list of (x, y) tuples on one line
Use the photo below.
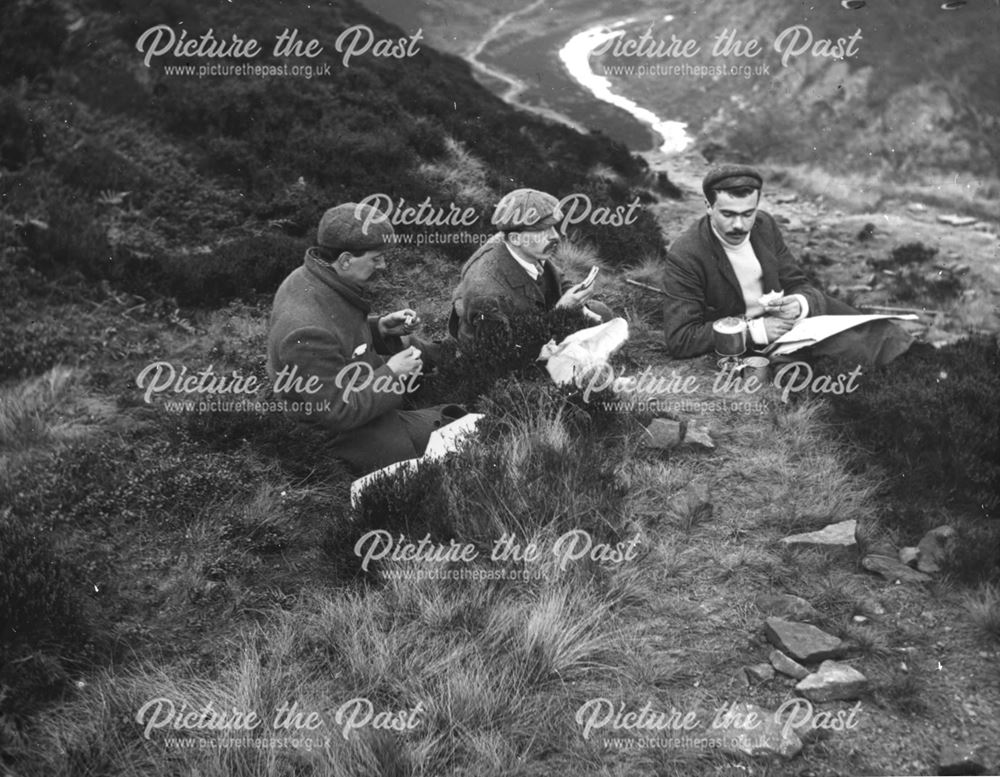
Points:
[(462, 175), (478, 679), (648, 271), (641, 307), (860, 193), (983, 606), (28, 411), (575, 260), (499, 667)]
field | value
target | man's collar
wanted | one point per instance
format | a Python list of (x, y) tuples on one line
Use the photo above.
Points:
[(533, 269), (325, 272)]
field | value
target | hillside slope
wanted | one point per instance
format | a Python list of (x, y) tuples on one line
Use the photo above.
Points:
[(917, 97), (206, 186)]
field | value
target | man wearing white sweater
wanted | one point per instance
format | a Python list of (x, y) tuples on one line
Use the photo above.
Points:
[(732, 257)]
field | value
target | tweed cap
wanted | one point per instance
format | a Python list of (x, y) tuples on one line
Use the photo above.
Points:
[(526, 209), (354, 227), (731, 177)]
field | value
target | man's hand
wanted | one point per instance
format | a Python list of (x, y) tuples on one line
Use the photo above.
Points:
[(575, 296), (788, 309), (400, 323), (406, 362), (776, 327)]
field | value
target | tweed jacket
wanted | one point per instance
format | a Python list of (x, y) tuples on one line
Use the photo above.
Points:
[(493, 286), (701, 286), (319, 325)]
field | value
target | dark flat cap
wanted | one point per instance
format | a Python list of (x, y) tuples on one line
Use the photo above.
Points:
[(354, 227), (731, 177), (526, 209)]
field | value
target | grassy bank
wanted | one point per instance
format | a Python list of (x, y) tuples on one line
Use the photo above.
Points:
[(157, 553), (210, 560)]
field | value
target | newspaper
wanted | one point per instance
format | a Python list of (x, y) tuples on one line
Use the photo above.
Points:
[(810, 331)]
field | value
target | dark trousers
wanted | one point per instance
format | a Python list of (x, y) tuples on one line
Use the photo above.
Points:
[(395, 436), (869, 345)]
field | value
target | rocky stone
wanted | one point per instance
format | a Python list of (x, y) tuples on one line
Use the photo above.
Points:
[(697, 434), (960, 759), (759, 673), (664, 433), (956, 221), (934, 548), (833, 681), (760, 734), (787, 666), (802, 641), (874, 607), (892, 570), (837, 537), (909, 556), (787, 606)]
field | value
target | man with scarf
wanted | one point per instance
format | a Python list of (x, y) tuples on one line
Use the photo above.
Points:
[(342, 369)]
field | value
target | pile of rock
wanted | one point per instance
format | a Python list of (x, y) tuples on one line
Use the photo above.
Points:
[(816, 660)]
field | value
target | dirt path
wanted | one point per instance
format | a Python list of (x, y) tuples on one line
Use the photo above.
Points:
[(514, 86)]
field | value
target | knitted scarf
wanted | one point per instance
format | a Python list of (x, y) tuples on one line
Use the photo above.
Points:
[(352, 292)]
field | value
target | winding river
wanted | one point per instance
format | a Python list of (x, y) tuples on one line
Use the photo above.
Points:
[(575, 56)]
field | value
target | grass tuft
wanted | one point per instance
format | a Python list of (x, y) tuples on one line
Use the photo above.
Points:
[(24, 410), (983, 606)]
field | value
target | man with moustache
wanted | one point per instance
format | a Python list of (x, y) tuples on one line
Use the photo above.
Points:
[(512, 273), (724, 263), (353, 369)]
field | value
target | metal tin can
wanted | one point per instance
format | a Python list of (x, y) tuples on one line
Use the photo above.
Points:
[(759, 367), (730, 336)]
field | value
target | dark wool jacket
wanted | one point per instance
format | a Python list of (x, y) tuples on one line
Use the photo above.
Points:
[(701, 286), (493, 286), (319, 324)]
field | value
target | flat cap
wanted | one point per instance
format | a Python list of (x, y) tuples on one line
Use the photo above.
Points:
[(731, 177), (526, 209), (354, 227)]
